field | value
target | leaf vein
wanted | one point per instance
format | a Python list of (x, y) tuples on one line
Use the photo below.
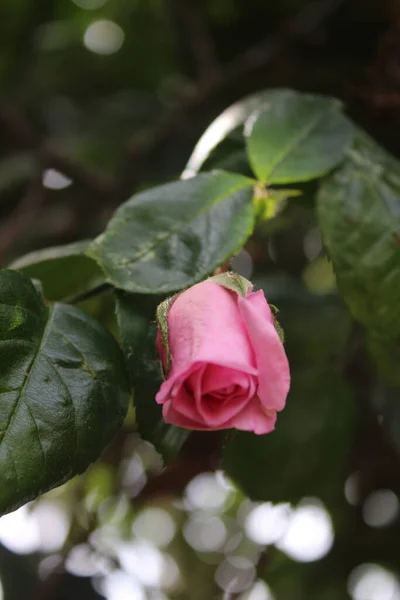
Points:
[(29, 371), (184, 222), (304, 131)]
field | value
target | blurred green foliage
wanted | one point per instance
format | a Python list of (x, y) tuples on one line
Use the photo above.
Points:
[(123, 117)]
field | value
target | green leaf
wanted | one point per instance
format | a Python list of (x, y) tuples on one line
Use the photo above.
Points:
[(64, 271), (296, 137), (171, 236), (138, 335), (63, 391), (228, 126), (359, 216)]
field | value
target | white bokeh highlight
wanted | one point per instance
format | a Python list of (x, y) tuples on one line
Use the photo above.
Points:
[(148, 565), (266, 523), (373, 582), (258, 591), (82, 561), (54, 180), (207, 492), (19, 531), (205, 534), (120, 586), (309, 536), (235, 574), (103, 37), (40, 528), (381, 508), (156, 526)]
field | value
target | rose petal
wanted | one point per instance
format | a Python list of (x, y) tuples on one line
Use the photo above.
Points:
[(174, 390), (170, 415), (205, 326), (216, 405), (215, 378), (272, 363), (254, 418)]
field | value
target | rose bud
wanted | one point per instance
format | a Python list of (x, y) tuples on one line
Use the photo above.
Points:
[(222, 356)]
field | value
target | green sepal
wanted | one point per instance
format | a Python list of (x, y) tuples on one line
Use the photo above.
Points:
[(162, 322), (278, 326), (234, 282)]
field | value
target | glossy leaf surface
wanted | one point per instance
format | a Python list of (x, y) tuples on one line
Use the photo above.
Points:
[(172, 236), (63, 391)]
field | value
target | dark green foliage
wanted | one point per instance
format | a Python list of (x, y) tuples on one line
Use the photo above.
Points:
[(136, 316), (63, 391), (287, 137), (171, 236), (359, 215), (63, 271)]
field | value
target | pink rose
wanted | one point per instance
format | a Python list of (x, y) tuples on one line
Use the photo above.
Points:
[(228, 367)]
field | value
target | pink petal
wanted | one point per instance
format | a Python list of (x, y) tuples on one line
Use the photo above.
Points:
[(204, 325), (170, 415), (272, 363), (254, 418), (215, 404), (173, 389)]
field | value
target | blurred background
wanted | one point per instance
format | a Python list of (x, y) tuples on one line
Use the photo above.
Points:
[(102, 98)]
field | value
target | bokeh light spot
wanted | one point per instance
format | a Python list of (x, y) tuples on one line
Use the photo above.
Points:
[(155, 525), (259, 591), (381, 508), (146, 563), (54, 180), (351, 488), (266, 523), (120, 586), (143, 561), (83, 562), (53, 523), (103, 37), (235, 574), (373, 582), (42, 527), (309, 535), (19, 531), (207, 492), (205, 534), (134, 475)]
